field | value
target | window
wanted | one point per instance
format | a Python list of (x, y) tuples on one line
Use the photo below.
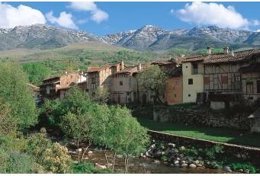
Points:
[(188, 95), (121, 83), (190, 81), (194, 68), (249, 87), (258, 86)]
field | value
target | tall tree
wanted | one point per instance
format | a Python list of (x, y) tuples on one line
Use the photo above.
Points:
[(15, 92), (153, 79)]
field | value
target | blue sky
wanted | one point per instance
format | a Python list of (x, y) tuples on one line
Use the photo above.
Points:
[(110, 17)]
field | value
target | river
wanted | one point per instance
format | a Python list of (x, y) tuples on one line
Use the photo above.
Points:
[(145, 165)]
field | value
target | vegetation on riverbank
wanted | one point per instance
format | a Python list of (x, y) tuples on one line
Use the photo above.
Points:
[(23, 150), (199, 132)]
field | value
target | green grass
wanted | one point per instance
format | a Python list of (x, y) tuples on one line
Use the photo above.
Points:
[(207, 133)]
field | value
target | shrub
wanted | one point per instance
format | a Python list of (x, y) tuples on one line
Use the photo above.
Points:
[(87, 167), (244, 166)]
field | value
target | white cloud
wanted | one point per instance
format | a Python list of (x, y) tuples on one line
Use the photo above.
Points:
[(97, 14), (64, 20), (258, 30), (22, 15), (212, 14)]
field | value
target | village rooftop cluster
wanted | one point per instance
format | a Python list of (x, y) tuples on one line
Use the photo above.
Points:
[(221, 79)]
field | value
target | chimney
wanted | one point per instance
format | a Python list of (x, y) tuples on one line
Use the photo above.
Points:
[(122, 65), (139, 67), (232, 53), (209, 50), (226, 50)]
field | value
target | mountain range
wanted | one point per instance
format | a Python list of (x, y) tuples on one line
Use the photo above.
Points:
[(148, 37)]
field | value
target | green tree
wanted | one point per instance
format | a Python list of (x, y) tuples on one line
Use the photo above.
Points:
[(14, 92), (77, 126), (101, 95), (153, 79), (36, 72)]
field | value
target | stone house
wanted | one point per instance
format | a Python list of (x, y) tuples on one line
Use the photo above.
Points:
[(250, 76), (99, 77), (56, 87), (192, 77), (222, 78), (174, 88), (123, 89)]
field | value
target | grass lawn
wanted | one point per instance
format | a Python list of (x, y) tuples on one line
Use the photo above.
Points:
[(207, 133)]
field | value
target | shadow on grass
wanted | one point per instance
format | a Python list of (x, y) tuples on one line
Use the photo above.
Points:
[(208, 133)]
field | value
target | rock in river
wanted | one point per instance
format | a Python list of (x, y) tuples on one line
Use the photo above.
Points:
[(227, 169), (192, 166)]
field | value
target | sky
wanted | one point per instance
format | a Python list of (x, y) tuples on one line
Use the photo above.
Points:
[(102, 18)]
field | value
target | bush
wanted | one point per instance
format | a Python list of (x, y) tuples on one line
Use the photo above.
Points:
[(52, 157), (213, 152), (244, 166), (87, 168), (19, 163)]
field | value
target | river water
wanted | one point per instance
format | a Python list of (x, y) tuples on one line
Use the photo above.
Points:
[(145, 165)]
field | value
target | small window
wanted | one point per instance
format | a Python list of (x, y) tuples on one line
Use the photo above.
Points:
[(121, 83), (190, 81), (188, 95), (249, 87), (186, 66)]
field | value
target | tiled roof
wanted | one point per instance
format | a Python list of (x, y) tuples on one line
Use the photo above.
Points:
[(52, 78), (222, 58), (128, 70), (98, 69)]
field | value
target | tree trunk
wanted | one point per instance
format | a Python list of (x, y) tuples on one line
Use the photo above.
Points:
[(114, 162), (126, 164), (84, 151)]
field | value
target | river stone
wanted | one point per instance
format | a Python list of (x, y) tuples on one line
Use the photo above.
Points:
[(178, 159), (241, 170), (79, 150), (119, 156), (100, 166), (184, 165), (176, 162), (192, 166), (90, 152), (171, 145), (196, 161), (182, 148), (183, 162), (199, 165), (227, 169)]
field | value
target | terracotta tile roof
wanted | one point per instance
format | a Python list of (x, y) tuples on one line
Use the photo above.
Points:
[(51, 79), (98, 69), (128, 70), (222, 58)]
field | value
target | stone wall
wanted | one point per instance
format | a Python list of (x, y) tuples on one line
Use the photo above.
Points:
[(201, 116)]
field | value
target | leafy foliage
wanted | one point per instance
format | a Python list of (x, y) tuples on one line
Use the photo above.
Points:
[(36, 72), (15, 92), (244, 166), (153, 79), (52, 157)]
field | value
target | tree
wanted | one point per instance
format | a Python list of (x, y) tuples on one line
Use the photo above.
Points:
[(153, 79), (101, 95), (36, 72), (77, 126), (8, 125), (14, 92)]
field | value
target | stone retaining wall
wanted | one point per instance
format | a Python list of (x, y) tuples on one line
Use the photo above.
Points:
[(200, 117), (245, 153)]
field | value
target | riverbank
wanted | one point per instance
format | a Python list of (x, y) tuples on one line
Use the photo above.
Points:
[(200, 132)]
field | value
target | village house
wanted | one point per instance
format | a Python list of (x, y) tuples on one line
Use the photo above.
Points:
[(192, 78), (217, 77), (173, 87), (99, 77), (250, 76), (56, 87), (222, 78), (123, 89)]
